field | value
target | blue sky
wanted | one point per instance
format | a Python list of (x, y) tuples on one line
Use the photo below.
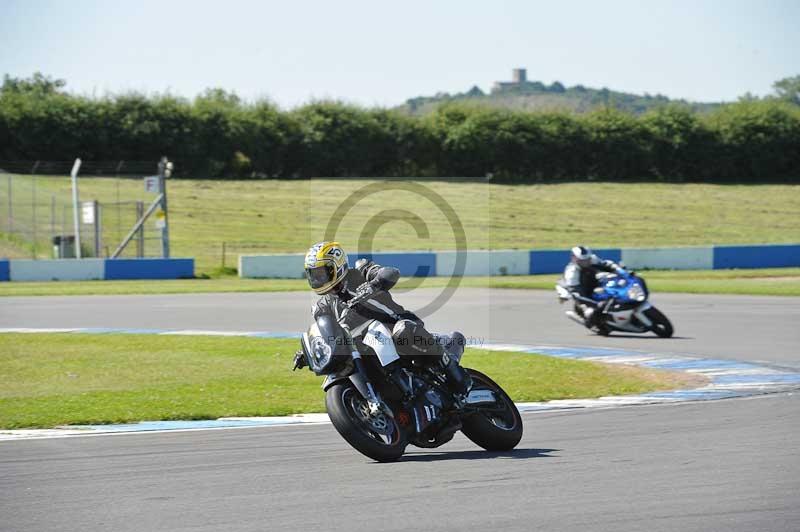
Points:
[(381, 53)]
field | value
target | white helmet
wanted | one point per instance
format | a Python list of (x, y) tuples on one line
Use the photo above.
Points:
[(582, 256)]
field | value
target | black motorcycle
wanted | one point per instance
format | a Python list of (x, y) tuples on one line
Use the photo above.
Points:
[(378, 418)]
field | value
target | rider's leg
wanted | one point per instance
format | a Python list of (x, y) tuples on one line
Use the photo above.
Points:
[(413, 339), (591, 315)]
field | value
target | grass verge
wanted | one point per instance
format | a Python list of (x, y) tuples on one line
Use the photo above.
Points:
[(286, 216), (55, 379), (774, 281)]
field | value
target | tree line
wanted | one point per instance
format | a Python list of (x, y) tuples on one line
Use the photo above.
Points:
[(217, 135)]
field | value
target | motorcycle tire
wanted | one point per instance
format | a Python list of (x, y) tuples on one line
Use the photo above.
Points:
[(498, 431), (661, 325), (378, 437)]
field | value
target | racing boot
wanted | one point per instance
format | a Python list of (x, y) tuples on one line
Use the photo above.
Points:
[(459, 380), (591, 316)]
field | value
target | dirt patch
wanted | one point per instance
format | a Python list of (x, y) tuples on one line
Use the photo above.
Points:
[(665, 379)]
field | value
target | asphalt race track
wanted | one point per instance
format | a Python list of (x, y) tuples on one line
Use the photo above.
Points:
[(762, 329), (730, 465)]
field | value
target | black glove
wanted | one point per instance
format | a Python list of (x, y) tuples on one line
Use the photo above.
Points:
[(363, 292), (299, 360)]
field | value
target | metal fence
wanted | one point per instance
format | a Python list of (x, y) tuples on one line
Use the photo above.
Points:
[(36, 210)]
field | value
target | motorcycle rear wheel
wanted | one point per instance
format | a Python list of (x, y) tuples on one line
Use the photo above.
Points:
[(378, 437), (498, 429)]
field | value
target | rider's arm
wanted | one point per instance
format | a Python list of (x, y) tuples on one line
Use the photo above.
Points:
[(321, 307), (608, 266), (330, 306), (381, 277)]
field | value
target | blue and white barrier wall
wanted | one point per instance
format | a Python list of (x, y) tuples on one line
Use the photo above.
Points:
[(554, 260), (773, 256), (283, 266), (482, 262), (149, 269), (545, 261), (94, 269)]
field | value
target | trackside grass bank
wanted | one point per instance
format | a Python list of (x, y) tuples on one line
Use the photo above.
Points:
[(286, 216), (55, 379), (775, 281)]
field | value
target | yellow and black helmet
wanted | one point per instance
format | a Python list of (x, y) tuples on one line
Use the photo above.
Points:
[(325, 266)]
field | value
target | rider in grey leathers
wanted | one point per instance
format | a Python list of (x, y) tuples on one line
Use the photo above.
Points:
[(580, 278), (329, 275)]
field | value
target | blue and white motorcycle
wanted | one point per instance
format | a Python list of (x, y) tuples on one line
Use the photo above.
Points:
[(622, 301)]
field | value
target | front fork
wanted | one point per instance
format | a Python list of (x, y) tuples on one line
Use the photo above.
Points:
[(363, 385), (641, 316), (365, 388)]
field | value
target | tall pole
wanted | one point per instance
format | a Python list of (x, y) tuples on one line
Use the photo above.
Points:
[(75, 213), (10, 206), (64, 232), (97, 227), (34, 215), (140, 233), (164, 171), (119, 210), (52, 215)]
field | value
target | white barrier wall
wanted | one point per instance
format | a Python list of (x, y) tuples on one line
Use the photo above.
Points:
[(484, 262), (513, 262), (287, 266), (700, 258), (57, 270)]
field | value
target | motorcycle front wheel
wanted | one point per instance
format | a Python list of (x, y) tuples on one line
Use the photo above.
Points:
[(495, 427), (377, 436), (661, 325)]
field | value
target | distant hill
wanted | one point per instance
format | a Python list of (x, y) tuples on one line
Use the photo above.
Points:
[(521, 94)]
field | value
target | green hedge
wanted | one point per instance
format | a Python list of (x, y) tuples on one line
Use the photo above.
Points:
[(218, 135)]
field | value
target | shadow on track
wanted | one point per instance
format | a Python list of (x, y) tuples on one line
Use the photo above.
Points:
[(516, 454), (645, 337)]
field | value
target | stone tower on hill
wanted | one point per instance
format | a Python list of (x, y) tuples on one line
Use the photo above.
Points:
[(519, 76)]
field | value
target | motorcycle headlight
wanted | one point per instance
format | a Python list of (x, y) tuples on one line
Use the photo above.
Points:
[(636, 292), (320, 352)]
